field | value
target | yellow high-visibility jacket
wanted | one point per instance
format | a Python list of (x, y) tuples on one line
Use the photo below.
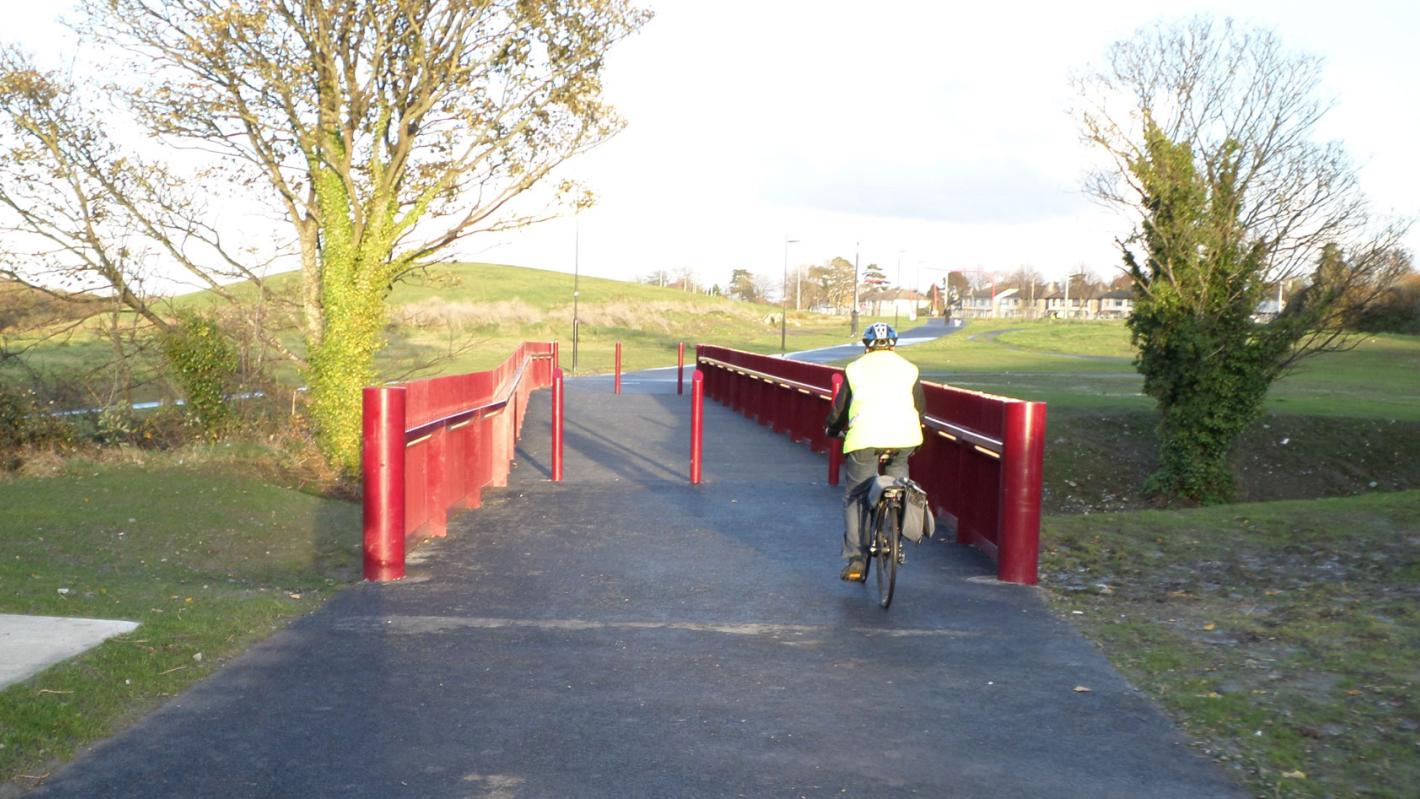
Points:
[(880, 404)]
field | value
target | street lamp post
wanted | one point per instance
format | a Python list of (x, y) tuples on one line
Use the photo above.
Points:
[(853, 314), (576, 262), (897, 301), (784, 297)]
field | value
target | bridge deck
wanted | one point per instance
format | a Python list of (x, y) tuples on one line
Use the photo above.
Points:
[(626, 634)]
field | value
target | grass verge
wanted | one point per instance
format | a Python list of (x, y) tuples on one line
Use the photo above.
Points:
[(1283, 636), (207, 560)]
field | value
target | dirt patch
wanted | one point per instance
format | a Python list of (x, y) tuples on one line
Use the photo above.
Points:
[(1098, 462), (1284, 637)]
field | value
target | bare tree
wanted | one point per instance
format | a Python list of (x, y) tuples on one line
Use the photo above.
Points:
[(1245, 106), (80, 215), (746, 286), (384, 131), (1208, 133), (1029, 283), (833, 282)]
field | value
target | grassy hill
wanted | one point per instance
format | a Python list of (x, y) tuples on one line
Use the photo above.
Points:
[(466, 317), (488, 309)]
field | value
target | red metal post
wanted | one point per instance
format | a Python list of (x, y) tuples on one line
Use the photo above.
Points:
[(382, 461), (1023, 453), (618, 368), (835, 445), (557, 426), (697, 423), (436, 476), (680, 368), (556, 358)]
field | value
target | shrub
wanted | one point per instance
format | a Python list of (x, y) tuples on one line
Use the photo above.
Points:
[(26, 426), (204, 364)]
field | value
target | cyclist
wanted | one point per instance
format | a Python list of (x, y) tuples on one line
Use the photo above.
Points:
[(880, 405)]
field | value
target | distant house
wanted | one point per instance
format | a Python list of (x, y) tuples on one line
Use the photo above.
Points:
[(989, 304), (1059, 306), (1118, 304), (901, 302), (1267, 310)]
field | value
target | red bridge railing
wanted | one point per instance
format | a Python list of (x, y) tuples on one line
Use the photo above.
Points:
[(431, 445), (980, 461)]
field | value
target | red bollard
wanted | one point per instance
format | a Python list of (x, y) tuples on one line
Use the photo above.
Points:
[(697, 423), (556, 358), (618, 367), (835, 445), (382, 461), (680, 368), (557, 426), (1023, 449)]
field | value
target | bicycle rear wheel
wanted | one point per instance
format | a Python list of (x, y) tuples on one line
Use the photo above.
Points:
[(887, 543)]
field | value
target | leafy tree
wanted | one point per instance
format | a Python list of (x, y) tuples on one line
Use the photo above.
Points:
[(205, 364), (1209, 130), (958, 285), (873, 278), (383, 131), (1397, 311), (745, 286)]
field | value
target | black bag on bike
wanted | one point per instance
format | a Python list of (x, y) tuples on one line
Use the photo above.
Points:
[(917, 519)]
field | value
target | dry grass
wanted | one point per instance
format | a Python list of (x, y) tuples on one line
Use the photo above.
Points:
[(437, 312)]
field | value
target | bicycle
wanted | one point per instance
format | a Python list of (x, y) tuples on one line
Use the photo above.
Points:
[(885, 540)]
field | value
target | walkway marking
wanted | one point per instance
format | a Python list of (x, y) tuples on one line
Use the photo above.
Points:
[(423, 625)]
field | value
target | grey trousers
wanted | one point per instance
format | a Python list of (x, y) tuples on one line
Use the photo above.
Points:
[(860, 466)]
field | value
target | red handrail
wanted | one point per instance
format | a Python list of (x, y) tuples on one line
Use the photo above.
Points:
[(431, 445), (980, 461)]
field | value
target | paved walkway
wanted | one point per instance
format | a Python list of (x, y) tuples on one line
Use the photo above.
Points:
[(626, 634)]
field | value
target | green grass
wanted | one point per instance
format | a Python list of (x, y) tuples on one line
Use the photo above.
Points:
[(1285, 635), (207, 560), (1087, 366)]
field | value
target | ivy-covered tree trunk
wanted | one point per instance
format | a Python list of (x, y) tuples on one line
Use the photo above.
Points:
[(357, 270), (1209, 377), (344, 363), (1203, 359)]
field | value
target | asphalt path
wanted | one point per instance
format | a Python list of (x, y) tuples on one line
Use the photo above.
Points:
[(626, 634)]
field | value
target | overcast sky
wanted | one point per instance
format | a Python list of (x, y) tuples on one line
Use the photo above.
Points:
[(927, 134)]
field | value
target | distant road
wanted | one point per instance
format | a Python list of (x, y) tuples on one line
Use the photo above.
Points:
[(932, 329), (645, 381)]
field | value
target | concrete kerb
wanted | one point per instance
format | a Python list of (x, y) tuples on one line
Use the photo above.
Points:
[(31, 644)]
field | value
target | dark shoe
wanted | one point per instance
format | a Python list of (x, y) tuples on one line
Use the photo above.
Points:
[(856, 571)]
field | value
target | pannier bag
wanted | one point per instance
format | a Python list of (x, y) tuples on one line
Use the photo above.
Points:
[(917, 519)]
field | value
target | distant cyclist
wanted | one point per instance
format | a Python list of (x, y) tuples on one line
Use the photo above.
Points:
[(880, 405)]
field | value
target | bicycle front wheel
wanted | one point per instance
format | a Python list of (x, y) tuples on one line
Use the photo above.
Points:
[(887, 540)]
